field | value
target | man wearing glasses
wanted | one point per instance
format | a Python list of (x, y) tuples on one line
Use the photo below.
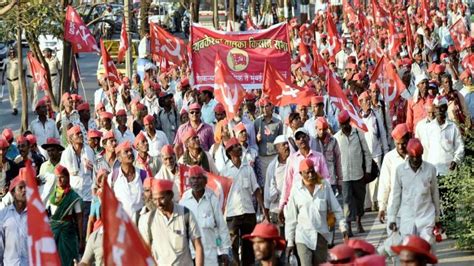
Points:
[(204, 131)]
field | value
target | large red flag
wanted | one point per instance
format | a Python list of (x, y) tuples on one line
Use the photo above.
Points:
[(333, 36), (77, 33), (319, 65), (425, 11), (306, 60), (409, 36), (221, 187), (227, 90), (41, 246), (468, 63), (111, 71), (393, 41), (342, 103), (459, 34), (123, 244), (349, 11), (183, 178), (280, 91), (380, 15), (123, 47), (166, 45), (37, 71), (386, 77)]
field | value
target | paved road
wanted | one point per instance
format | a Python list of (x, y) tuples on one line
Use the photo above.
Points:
[(375, 232)]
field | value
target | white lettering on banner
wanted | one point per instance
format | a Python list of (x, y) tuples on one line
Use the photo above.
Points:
[(39, 205), (288, 91), (117, 254), (45, 245), (230, 98), (121, 233)]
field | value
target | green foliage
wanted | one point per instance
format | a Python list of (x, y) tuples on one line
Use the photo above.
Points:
[(35, 18), (459, 196)]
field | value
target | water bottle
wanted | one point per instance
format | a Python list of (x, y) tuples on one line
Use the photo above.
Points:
[(292, 261)]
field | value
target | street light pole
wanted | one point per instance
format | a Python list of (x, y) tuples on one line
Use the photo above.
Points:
[(128, 55)]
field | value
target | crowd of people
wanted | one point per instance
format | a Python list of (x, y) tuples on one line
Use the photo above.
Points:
[(297, 171)]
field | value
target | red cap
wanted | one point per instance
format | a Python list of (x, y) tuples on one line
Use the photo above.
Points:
[(76, 97), (140, 106), (443, 56), (167, 150), (219, 108), (15, 182), (250, 96), (4, 143), (123, 147), (370, 260), (431, 68), (361, 245), (239, 128), (139, 138), (189, 134), (184, 82), (343, 117), (414, 147), (8, 134), (148, 119), (60, 170), (341, 252), (417, 245), (364, 95), (121, 112), (195, 106), (65, 96), (465, 74), (206, 88), (263, 101), (306, 164), (351, 66), (439, 69), (21, 140), (399, 131), (73, 130), (195, 170), (160, 185), (108, 135), (317, 100), (83, 106), (94, 133), (267, 231), (322, 123), (231, 142), (31, 139), (147, 182), (106, 115), (40, 103)]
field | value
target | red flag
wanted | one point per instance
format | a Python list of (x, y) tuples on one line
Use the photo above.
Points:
[(459, 34), (319, 65), (409, 36), (280, 91), (349, 11), (388, 81), (123, 47), (393, 40), (306, 34), (333, 36), (306, 60), (250, 24), (77, 33), (41, 245), (227, 90), (183, 178), (37, 71), (380, 15), (166, 45), (468, 63), (425, 11), (123, 244), (221, 187), (111, 71), (340, 100)]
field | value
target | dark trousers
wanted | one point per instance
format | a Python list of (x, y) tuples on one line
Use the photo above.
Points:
[(239, 226), (353, 193)]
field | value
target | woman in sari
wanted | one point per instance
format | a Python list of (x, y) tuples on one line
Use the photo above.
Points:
[(66, 217)]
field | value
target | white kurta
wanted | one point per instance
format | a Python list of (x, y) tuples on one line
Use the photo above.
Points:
[(128, 193), (422, 133), (156, 143), (13, 237), (387, 176), (416, 200)]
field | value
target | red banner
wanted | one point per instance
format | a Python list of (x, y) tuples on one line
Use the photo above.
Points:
[(37, 71), (123, 47), (243, 52), (42, 248), (459, 34), (123, 244), (77, 33)]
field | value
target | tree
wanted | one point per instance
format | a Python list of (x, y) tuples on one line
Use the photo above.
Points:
[(144, 26), (34, 18), (8, 7)]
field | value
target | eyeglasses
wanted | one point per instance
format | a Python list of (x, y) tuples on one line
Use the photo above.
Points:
[(300, 136), (194, 112)]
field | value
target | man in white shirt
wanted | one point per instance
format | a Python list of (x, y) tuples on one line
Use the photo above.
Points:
[(391, 161), (122, 132), (156, 138), (207, 101), (204, 204), (14, 228), (170, 170), (43, 127), (240, 211), (415, 195), (445, 145), (306, 217), (127, 181), (422, 127)]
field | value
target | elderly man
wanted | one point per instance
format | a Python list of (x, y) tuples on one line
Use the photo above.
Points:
[(354, 154), (415, 106), (168, 117), (203, 130), (67, 117), (195, 154), (422, 129), (13, 227), (86, 122), (127, 181), (266, 242), (107, 159), (392, 160), (240, 211), (204, 204), (170, 228), (170, 171), (310, 202), (105, 120), (144, 161), (122, 132), (414, 250), (43, 127), (156, 138), (418, 208), (46, 172), (318, 108)]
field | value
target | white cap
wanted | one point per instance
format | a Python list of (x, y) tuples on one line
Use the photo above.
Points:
[(301, 129), (440, 100), (420, 78), (280, 139)]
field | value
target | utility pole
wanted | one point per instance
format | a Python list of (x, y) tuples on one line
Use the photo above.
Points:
[(128, 55)]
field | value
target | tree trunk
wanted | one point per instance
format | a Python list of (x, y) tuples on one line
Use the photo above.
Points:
[(195, 10), (231, 14), (22, 81), (215, 14), (66, 66), (144, 7)]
